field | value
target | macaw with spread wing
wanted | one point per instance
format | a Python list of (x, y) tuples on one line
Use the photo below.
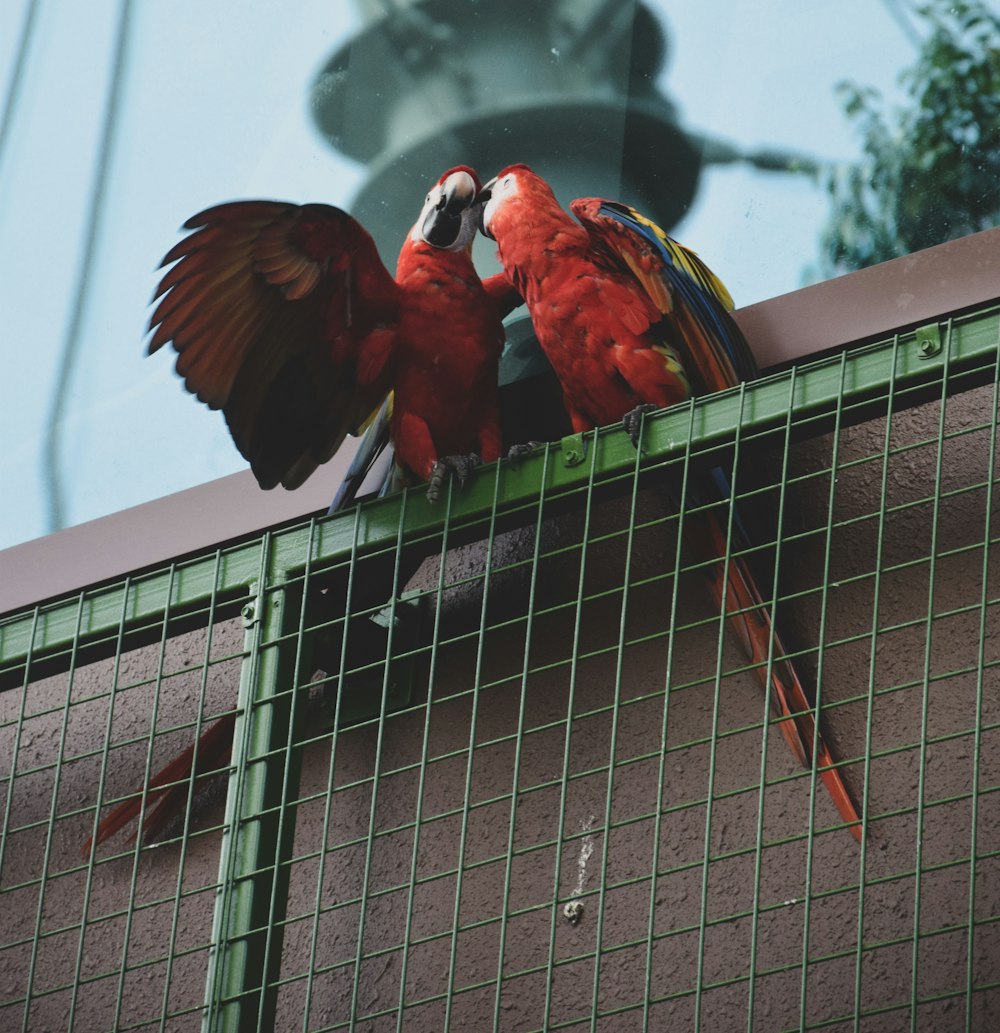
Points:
[(633, 321), (283, 316)]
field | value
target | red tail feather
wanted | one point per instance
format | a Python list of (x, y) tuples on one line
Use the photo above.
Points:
[(749, 618), (168, 787)]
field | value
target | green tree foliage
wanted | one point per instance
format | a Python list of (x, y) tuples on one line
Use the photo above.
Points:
[(930, 170)]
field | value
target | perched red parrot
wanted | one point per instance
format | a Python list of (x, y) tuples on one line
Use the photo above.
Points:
[(284, 317), (630, 321)]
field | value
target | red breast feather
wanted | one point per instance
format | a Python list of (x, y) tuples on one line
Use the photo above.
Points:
[(597, 326), (447, 353)]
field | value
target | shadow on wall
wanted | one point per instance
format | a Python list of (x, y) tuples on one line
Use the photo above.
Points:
[(558, 752)]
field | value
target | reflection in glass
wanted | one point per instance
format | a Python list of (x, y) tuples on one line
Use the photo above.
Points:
[(721, 120), (930, 167)]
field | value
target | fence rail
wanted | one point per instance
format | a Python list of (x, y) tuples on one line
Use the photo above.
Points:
[(498, 764)]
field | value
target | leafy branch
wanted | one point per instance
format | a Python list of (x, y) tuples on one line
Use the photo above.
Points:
[(930, 170)]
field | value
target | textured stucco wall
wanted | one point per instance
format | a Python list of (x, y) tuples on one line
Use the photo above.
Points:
[(845, 612)]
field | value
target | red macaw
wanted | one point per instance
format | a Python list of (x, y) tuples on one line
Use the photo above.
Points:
[(632, 321), (284, 317)]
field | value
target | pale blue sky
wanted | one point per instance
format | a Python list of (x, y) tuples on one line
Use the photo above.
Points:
[(214, 107)]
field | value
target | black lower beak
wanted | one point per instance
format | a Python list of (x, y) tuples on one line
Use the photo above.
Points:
[(441, 228), (482, 199), (443, 225)]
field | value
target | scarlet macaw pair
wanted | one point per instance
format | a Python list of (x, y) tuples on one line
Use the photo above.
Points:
[(284, 317)]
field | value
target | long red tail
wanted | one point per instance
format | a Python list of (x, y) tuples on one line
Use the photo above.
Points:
[(169, 786), (749, 617)]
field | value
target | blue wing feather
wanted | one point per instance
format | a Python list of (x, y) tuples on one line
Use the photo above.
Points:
[(693, 282)]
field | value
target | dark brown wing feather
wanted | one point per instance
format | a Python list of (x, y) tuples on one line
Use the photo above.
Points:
[(282, 316)]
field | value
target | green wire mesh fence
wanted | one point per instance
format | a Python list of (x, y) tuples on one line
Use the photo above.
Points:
[(498, 765)]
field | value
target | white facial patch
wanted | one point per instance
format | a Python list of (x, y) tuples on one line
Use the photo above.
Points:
[(448, 213), (430, 203), (504, 188)]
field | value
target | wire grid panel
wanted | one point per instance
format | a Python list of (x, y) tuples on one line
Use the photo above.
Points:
[(509, 771), (106, 943)]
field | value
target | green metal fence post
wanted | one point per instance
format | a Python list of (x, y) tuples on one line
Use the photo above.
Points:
[(254, 869)]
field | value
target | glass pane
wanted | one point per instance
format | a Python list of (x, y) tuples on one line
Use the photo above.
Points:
[(720, 119)]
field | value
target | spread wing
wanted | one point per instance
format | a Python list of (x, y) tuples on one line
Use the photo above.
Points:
[(284, 317), (684, 289)]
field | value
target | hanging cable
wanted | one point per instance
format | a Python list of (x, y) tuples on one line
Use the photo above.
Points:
[(16, 83), (51, 475)]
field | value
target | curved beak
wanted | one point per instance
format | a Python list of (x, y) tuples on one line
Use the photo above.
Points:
[(443, 223), (482, 200)]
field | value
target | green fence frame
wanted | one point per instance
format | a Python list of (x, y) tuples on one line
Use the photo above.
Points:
[(266, 580)]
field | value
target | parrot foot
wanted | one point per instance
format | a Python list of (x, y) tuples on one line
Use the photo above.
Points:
[(632, 421), (460, 466), (517, 452)]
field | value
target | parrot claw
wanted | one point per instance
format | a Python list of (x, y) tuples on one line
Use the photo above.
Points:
[(517, 452), (460, 466), (632, 421)]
